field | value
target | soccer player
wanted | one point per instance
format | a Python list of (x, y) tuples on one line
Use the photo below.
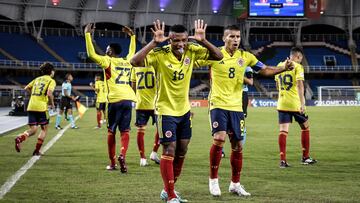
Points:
[(99, 89), (291, 103), (41, 89), (120, 95), (66, 99), (173, 65), (226, 113), (144, 83)]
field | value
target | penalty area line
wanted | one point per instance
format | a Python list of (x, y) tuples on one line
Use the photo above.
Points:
[(10, 182)]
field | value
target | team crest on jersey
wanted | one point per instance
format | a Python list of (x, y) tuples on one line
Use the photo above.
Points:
[(187, 61), (215, 124), (241, 62), (168, 134)]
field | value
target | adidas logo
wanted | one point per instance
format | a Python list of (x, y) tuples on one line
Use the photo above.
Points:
[(221, 62), (169, 66)]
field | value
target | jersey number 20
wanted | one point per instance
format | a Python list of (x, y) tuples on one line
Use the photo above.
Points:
[(148, 78)]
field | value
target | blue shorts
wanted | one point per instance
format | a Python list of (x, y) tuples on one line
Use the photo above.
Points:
[(286, 117), (119, 115), (100, 106), (230, 121), (173, 128), (38, 118), (143, 116)]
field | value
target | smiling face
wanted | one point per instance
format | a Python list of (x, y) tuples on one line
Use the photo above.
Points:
[(178, 41), (232, 39)]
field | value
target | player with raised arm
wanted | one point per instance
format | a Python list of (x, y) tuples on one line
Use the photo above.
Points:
[(173, 65), (100, 92), (65, 103), (226, 113), (291, 103), (41, 89), (120, 95), (144, 83)]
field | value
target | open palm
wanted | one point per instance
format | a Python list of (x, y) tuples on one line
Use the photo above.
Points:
[(200, 29), (159, 32)]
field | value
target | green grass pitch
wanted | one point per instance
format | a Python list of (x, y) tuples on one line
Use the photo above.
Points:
[(73, 170)]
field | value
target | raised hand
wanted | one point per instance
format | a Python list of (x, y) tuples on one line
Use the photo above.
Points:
[(89, 28), (128, 30), (158, 31), (200, 29), (289, 65)]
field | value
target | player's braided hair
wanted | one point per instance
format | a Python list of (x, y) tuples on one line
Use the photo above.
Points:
[(46, 68)]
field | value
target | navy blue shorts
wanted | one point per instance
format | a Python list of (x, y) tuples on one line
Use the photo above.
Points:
[(119, 115), (173, 128), (286, 117), (100, 106), (230, 121), (143, 116), (38, 118)]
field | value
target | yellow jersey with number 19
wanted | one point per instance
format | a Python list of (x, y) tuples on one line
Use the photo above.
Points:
[(288, 99), (144, 78), (117, 72), (173, 77), (100, 91), (227, 78), (39, 98)]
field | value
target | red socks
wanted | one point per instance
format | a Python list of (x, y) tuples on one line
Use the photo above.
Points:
[(236, 165), (167, 173), (124, 142), (111, 148), (39, 144), (156, 142), (177, 164), (140, 142), (215, 158), (98, 118), (23, 137), (305, 142), (282, 145)]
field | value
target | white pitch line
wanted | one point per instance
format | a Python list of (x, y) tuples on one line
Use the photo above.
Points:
[(14, 178)]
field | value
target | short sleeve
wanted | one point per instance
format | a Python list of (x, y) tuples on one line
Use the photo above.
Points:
[(31, 84), (201, 53), (254, 63), (152, 58), (52, 85)]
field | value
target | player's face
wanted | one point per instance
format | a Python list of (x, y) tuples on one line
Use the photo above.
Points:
[(232, 39), (297, 57), (52, 73), (70, 78), (178, 41)]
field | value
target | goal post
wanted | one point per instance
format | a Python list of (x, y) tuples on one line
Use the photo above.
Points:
[(338, 96)]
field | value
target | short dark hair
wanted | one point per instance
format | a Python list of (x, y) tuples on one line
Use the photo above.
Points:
[(116, 48), (67, 76), (178, 28), (46, 68), (296, 50), (232, 27)]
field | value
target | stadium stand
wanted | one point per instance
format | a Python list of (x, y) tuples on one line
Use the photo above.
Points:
[(66, 46), (315, 56), (24, 47)]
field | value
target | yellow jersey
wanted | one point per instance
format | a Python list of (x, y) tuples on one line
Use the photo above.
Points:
[(117, 72), (144, 78), (227, 78), (39, 98), (288, 99), (173, 77), (100, 91)]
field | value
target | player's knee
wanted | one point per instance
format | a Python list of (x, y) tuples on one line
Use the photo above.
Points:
[(168, 149), (218, 142), (236, 146), (305, 126), (141, 128)]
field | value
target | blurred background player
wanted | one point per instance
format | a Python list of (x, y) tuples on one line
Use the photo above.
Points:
[(65, 103), (41, 89), (291, 103), (144, 83), (226, 113), (173, 65), (120, 95), (99, 89)]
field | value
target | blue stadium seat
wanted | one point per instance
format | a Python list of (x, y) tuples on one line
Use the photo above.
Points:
[(103, 42), (67, 47), (281, 54), (315, 55), (24, 47), (258, 44)]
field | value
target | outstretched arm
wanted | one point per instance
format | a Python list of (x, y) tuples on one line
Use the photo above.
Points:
[(159, 37), (132, 46), (200, 36), (271, 70), (90, 50)]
